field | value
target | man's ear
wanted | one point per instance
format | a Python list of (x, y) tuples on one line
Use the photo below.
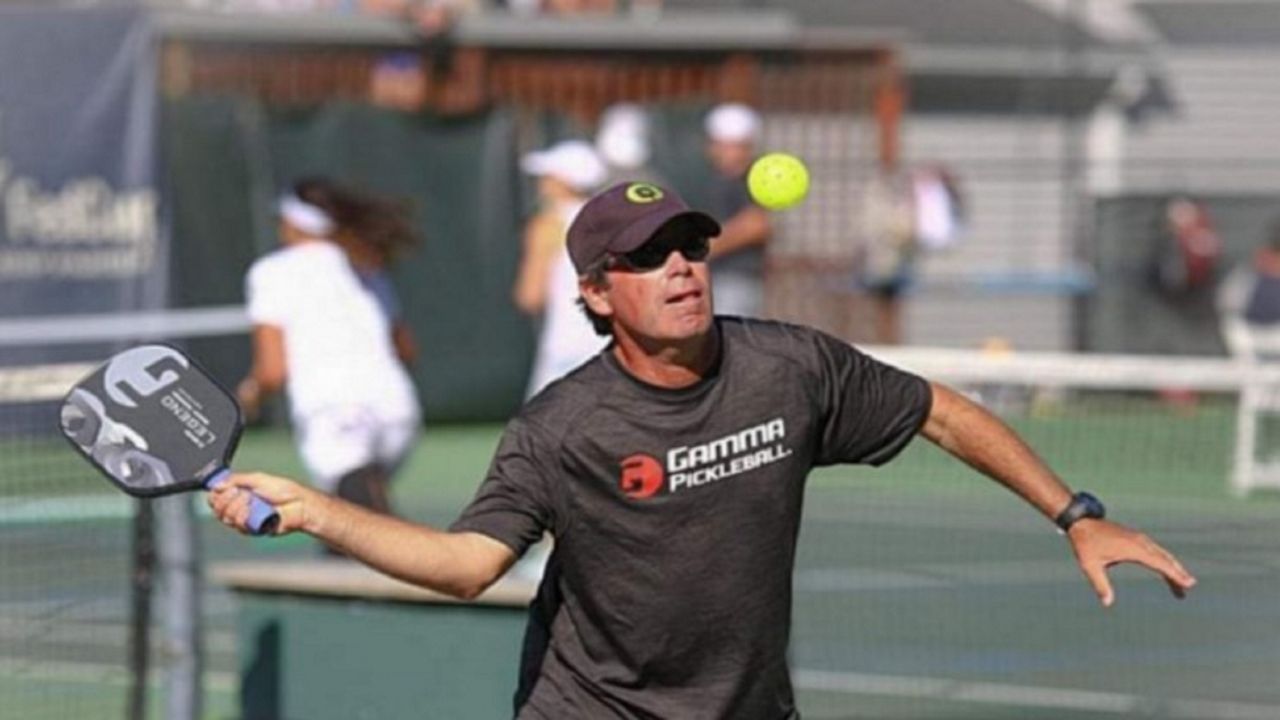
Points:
[(596, 297)]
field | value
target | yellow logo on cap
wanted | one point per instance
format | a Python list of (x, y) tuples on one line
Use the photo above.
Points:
[(643, 193)]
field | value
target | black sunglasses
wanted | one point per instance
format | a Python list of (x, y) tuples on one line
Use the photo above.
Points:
[(653, 254)]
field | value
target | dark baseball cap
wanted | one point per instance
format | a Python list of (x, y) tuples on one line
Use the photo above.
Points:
[(624, 217)]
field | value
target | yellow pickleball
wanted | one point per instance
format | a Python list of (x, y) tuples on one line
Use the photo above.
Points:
[(778, 181)]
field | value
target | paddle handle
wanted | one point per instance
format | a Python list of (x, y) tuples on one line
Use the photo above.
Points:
[(263, 518)]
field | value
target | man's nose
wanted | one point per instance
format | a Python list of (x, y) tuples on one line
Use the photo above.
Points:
[(677, 264)]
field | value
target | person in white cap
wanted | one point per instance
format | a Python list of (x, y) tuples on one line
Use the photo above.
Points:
[(622, 139), (326, 338), (737, 256), (546, 285)]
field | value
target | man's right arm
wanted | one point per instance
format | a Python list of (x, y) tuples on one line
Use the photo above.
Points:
[(983, 441), (461, 564)]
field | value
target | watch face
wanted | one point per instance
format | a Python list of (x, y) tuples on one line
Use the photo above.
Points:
[(1083, 505), (1093, 507)]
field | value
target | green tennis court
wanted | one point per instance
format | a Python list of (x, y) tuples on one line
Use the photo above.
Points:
[(922, 590)]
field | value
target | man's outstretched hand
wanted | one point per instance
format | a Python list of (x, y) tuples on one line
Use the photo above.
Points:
[(1099, 544)]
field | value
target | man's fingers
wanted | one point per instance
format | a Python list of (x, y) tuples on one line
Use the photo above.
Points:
[(264, 486), (240, 510), (1097, 576), (219, 497), (1179, 580), (1163, 562), (1184, 577), (1102, 544), (230, 506), (232, 500)]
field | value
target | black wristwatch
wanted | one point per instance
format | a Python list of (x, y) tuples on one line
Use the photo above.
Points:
[(1082, 505)]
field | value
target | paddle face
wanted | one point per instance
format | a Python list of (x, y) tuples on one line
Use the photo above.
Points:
[(152, 421)]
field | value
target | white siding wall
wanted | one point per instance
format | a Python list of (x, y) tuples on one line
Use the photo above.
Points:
[(1223, 139), (1225, 135), (1011, 170)]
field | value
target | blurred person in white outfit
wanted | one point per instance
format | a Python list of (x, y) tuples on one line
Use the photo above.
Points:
[(546, 283), (321, 335), (375, 232), (622, 140)]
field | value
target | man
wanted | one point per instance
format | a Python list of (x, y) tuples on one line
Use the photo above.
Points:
[(670, 469), (738, 253)]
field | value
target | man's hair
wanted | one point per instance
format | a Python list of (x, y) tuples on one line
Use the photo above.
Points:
[(596, 275)]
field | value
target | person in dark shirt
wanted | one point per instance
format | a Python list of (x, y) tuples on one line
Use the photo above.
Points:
[(670, 470), (738, 252), (1262, 305)]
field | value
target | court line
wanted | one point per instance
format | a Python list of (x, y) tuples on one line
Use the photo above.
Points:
[(30, 631), (72, 508), (1028, 696), (997, 573), (66, 508), (97, 673)]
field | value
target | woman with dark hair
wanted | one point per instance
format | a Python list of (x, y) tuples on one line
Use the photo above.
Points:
[(375, 232), (324, 330)]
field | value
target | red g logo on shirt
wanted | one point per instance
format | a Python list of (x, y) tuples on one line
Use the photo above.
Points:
[(642, 476)]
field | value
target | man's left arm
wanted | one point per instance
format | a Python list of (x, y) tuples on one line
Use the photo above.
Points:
[(971, 433)]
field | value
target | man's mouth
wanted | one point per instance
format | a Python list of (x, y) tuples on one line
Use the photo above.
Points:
[(687, 296)]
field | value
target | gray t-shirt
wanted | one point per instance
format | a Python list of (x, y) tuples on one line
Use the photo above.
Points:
[(675, 515)]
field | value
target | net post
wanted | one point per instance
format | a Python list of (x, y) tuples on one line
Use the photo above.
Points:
[(140, 587)]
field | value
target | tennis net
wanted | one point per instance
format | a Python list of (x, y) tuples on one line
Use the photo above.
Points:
[(1205, 422), (64, 615), (76, 556), (922, 590), (891, 558)]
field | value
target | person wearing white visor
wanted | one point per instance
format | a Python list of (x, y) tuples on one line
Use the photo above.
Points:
[(546, 285), (299, 216), (573, 163), (321, 335)]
